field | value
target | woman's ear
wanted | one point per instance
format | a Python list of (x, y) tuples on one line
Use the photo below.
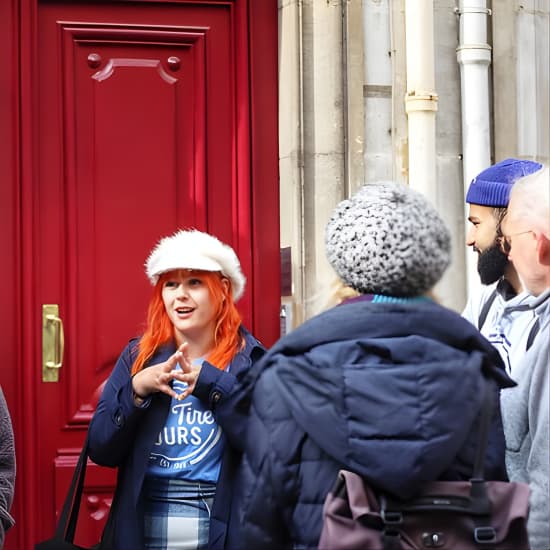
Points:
[(226, 285)]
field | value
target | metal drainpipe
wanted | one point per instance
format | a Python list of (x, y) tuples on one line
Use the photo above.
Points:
[(345, 97), (474, 57), (421, 99), (301, 161)]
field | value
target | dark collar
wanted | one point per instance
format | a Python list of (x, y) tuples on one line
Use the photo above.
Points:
[(505, 289)]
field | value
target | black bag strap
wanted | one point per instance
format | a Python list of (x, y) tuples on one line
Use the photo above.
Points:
[(484, 532), (66, 526), (532, 334), (485, 309), (485, 417)]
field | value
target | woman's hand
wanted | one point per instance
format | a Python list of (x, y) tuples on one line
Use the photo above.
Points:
[(189, 373), (157, 378)]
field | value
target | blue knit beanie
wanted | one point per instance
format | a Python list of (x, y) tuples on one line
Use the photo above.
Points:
[(492, 186)]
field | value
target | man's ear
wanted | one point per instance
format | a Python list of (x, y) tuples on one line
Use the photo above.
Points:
[(543, 250)]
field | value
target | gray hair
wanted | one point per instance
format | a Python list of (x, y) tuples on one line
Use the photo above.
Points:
[(530, 199)]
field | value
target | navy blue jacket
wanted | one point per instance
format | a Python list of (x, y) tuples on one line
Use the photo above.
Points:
[(122, 435), (389, 391)]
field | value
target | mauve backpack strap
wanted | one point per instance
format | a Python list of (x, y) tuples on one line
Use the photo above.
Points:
[(354, 486)]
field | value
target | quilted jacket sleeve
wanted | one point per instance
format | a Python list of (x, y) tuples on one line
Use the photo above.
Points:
[(228, 394), (7, 468), (116, 419), (263, 524)]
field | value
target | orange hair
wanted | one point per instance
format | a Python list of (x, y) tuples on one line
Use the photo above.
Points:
[(159, 331)]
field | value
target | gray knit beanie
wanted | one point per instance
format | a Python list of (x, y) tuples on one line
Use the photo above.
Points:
[(388, 239)]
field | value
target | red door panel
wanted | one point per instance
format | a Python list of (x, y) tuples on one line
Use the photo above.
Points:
[(136, 121)]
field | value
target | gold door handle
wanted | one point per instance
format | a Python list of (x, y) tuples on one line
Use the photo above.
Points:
[(53, 343)]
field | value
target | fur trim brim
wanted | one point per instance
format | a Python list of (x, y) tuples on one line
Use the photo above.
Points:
[(192, 249)]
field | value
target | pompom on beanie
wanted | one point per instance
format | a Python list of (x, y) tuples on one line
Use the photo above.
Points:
[(492, 186), (388, 239), (192, 249)]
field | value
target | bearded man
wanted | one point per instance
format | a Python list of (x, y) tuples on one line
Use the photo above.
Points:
[(501, 310)]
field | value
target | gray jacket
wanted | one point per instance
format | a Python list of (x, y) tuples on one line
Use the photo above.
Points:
[(508, 322), (526, 420), (7, 468)]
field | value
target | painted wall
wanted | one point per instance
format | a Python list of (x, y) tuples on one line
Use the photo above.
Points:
[(334, 72)]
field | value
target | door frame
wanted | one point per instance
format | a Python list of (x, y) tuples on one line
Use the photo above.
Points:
[(20, 375)]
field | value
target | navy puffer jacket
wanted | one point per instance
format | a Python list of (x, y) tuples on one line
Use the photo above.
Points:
[(390, 391)]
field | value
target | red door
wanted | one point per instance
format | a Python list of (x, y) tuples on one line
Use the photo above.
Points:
[(136, 118)]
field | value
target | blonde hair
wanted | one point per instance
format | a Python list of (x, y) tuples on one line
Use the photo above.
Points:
[(339, 292), (331, 295)]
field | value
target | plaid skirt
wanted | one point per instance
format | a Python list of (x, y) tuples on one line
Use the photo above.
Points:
[(177, 513)]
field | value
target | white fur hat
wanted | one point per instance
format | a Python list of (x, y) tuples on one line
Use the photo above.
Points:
[(192, 249)]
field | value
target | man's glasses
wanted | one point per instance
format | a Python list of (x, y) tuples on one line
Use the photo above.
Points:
[(505, 241)]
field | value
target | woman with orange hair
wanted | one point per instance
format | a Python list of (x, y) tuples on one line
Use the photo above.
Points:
[(166, 419)]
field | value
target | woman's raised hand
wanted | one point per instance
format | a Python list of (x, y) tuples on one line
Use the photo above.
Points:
[(188, 373), (157, 378)]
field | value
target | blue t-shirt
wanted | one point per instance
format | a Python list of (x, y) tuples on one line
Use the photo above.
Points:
[(191, 444)]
